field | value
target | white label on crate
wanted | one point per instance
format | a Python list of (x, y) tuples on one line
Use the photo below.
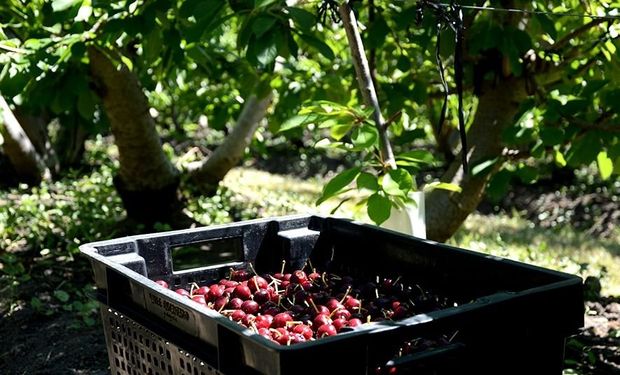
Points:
[(172, 312)]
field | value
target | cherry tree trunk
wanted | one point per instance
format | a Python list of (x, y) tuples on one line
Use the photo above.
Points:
[(147, 181), (446, 210)]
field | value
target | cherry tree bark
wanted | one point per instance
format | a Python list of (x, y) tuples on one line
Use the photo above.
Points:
[(147, 181), (497, 107), (18, 147), (208, 173)]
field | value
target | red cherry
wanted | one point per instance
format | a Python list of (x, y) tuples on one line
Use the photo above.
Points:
[(220, 303), (200, 299), (263, 321), (281, 319), (239, 275), (339, 324), (314, 275), (334, 304), (256, 283), (182, 292), (261, 296), (298, 277), (320, 320), (248, 320), (304, 330), (234, 304), (242, 291), (354, 322), (237, 315), (162, 283), (203, 290), (352, 304), (280, 335), (320, 309), (215, 291), (228, 283), (287, 277), (297, 338), (342, 313), (326, 330), (400, 312), (250, 307), (265, 332)]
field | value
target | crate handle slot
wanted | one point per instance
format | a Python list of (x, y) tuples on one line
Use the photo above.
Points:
[(450, 354), (212, 252)]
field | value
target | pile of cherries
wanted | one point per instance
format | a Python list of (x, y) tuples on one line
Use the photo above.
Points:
[(290, 308)]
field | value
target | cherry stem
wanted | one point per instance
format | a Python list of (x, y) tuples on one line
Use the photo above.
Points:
[(191, 290), (283, 265), (314, 306), (252, 269), (346, 294)]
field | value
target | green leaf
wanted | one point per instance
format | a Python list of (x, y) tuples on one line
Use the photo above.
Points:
[(262, 24), (319, 45), (263, 50), (339, 182), (304, 19), (367, 181), (86, 105), (417, 156), (364, 136), (484, 167), (127, 61), (551, 136), (152, 45), (584, 150), (547, 25), (297, 121), (443, 185), (558, 157), (61, 295), (498, 186), (379, 208), (527, 174), (338, 131), (605, 165), (377, 33), (397, 182), (60, 5)]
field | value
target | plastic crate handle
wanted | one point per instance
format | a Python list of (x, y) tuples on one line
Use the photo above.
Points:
[(451, 355)]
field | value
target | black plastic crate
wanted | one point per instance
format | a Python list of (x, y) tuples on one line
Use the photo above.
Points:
[(512, 317)]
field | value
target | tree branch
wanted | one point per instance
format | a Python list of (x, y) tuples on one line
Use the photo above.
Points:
[(555, 47), (364, 79)]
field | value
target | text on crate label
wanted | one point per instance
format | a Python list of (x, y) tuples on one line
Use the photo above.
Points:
[(171, 309)]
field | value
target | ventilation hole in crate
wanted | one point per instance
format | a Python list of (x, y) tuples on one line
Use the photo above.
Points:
[(148, 357), (168, 354), (181, 363), (170, 370)]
